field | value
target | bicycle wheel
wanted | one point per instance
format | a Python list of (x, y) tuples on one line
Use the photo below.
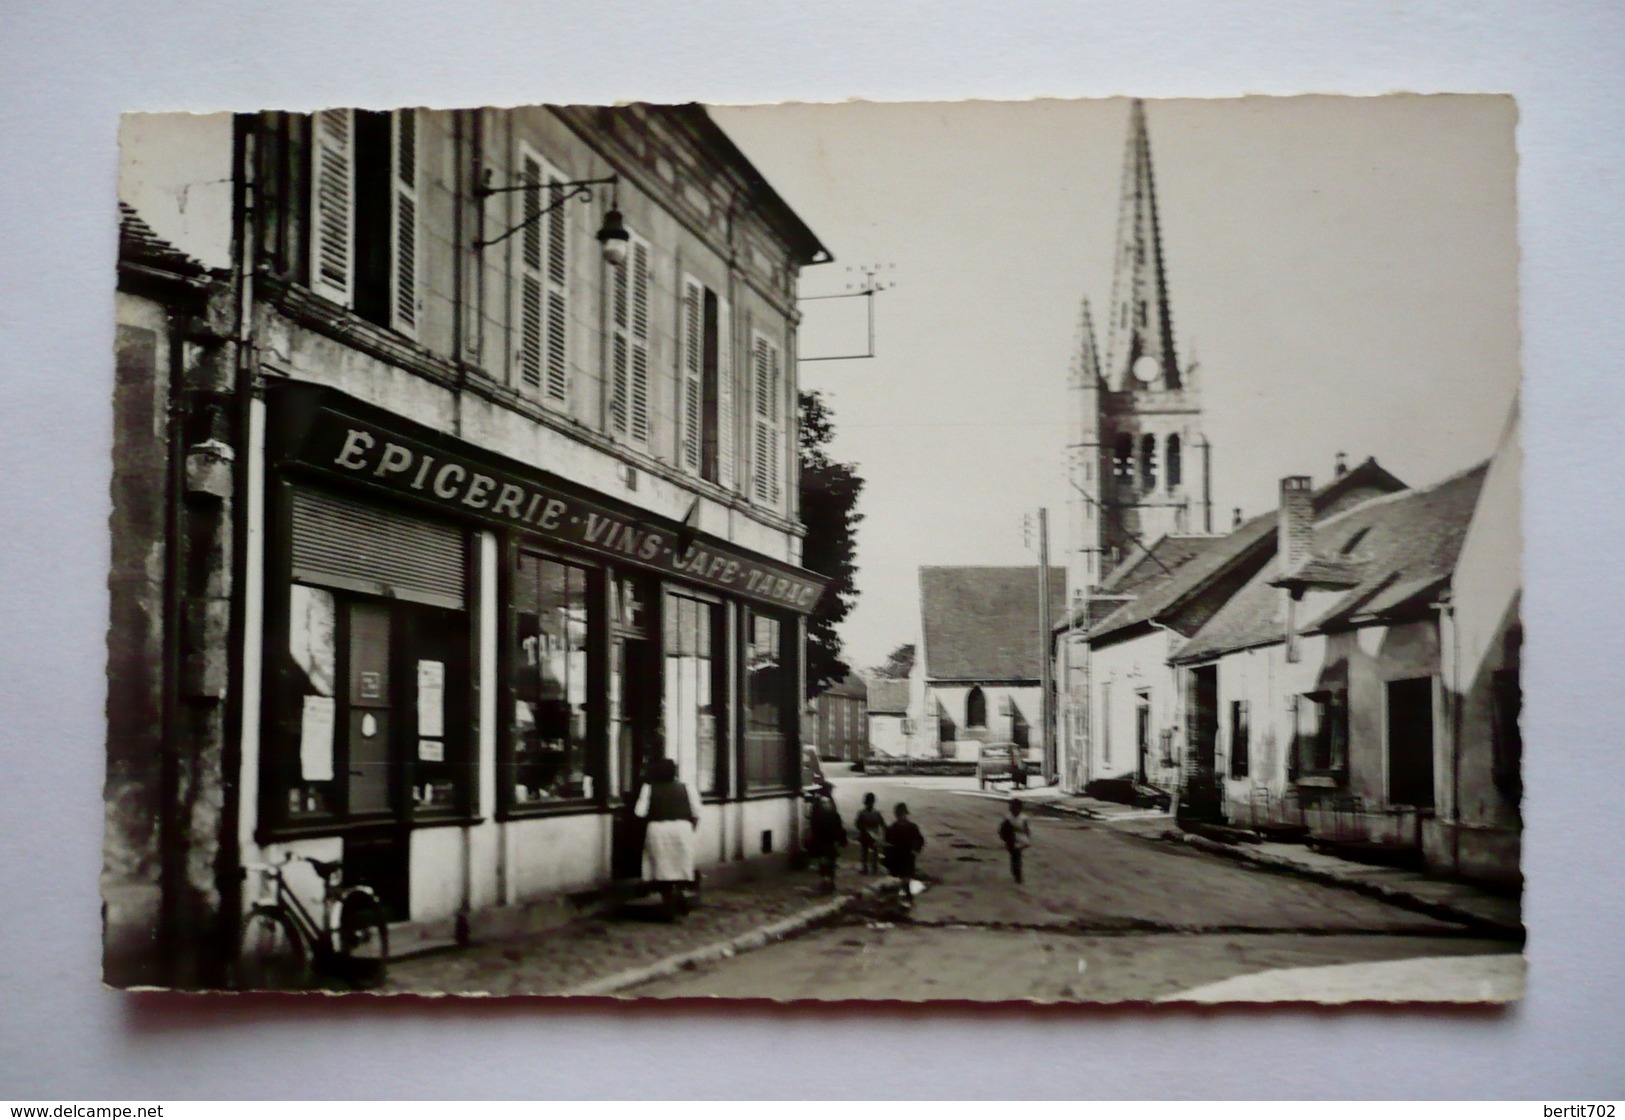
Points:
[(363, 939), (270, 954)]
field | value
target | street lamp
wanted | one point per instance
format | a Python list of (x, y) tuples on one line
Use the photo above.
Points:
[(611, 235)]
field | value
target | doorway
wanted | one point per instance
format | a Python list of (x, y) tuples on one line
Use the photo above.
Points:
[(1410, 742), (635, 723)]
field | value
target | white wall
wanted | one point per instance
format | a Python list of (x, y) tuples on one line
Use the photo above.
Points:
[(1123, 669)]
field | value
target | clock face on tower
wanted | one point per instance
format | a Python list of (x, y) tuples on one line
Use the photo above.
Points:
[(1146, 369)]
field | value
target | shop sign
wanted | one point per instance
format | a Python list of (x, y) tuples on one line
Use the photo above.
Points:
[(379, 457)]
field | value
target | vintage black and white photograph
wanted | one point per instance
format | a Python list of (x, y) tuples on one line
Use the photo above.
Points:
[(1062, 551)]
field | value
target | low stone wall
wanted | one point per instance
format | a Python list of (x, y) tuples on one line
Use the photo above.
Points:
[(943, 766)]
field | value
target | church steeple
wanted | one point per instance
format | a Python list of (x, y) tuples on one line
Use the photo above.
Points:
[(1140, 350)]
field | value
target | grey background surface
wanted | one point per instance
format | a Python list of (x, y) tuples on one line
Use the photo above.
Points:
[(68, 69)]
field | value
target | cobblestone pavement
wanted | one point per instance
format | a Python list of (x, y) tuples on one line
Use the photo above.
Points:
[(589, 948)]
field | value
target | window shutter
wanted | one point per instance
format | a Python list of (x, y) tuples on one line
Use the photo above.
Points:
[(693, 346), (404, 229), (639, 342), (762, 447), (528, 338), (775, 408), (725, 396), (332, 205), (619, 306), (558, 294)]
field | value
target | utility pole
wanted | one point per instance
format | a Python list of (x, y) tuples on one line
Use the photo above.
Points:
[(1046, 681)]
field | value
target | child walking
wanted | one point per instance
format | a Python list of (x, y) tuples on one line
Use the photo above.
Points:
[(871, 825), (1016, 831), (904, 840)]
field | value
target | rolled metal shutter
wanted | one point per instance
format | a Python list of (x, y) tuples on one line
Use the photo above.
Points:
[(340, 542)]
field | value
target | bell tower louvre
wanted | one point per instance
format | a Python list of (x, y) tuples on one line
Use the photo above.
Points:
[(1140, 463)]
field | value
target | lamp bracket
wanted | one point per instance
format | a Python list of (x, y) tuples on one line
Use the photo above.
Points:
[(563, 192)]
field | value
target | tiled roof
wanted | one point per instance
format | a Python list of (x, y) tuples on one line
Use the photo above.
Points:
[(888, 696), (981, 624), (138, 244), (1166, 556), (1250, 543), (1401, 549)]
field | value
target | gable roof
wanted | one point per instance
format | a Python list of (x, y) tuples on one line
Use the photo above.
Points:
[(981, 624), (1400, 551), (1146, 565), (1247, 545), (888, 696)]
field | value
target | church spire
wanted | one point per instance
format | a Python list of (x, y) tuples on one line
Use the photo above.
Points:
[(1140, 353), (1086, 359)]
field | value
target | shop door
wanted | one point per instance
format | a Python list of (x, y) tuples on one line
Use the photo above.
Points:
[(1410, 742), (636, 687), (369, 722)]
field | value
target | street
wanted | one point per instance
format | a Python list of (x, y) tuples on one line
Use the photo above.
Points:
[(1103, 915)]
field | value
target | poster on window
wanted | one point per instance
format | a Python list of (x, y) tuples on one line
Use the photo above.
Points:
[(432, 698), (316, 739)]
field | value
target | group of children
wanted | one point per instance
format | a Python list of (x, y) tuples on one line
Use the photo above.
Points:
[(896, 846)]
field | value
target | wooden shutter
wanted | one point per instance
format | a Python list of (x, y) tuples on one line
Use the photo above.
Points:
[(619, 358), (541, 340), (638, 341), (726, 455), (404, 228), (761, 428), (558, 293), (332, 205), (691, 435)]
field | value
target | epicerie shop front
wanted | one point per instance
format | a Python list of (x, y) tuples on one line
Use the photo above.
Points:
[(468, 665)]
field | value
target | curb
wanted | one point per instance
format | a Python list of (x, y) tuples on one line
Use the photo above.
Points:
[(1381, 891), (720, 950)]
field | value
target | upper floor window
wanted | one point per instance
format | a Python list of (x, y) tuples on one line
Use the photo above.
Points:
[(542, 314), (629, 283), (705, 436), (767, 423), (364, 213)]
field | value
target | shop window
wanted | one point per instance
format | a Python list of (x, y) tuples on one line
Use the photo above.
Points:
[(369, 711), (1240, 739), (1176, 464), (692, 688), (551, 733), (976, 709), (769, 686), (1320, 734)]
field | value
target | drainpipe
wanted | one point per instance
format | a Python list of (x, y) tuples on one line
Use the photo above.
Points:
[(246, 237)]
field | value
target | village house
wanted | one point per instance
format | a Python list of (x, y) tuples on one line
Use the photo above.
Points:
[(491, 492), (890, 727), (977, 674), (1138, 704), (1316, 690), (838, 720)]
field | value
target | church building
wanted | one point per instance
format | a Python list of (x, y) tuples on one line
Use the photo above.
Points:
[(1140, 465)]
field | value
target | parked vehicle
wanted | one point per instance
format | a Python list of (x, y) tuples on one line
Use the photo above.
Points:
[(1001, 762)]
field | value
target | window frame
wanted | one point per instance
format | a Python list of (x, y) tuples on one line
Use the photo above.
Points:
[(789, 710), (722, 750), (596, 764), (767, 422), (1332, 730), (1240, 739)]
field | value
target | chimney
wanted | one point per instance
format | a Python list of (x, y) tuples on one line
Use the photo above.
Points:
[(1342, 467), (1235, 518), (1296, 524)]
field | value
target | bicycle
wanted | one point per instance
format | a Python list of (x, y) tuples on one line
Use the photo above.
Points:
[(282, 942)]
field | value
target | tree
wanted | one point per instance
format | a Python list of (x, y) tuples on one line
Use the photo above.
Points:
[(829, 509), (899, 663)]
